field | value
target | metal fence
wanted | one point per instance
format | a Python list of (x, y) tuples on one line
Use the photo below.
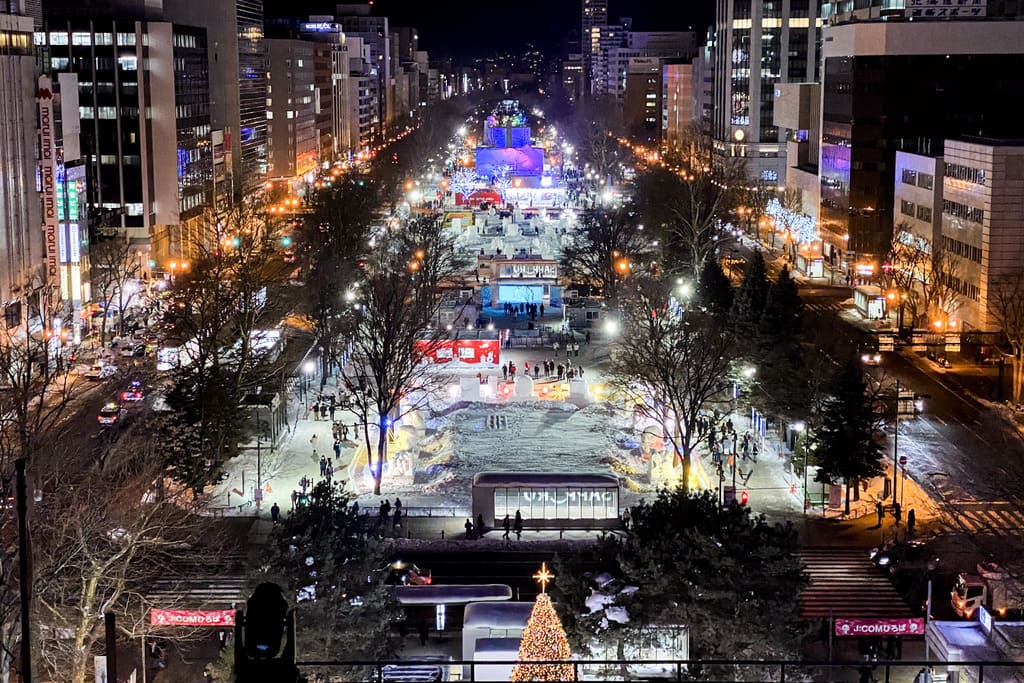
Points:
[(726, 671)]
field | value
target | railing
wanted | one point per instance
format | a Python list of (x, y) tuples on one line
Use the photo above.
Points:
[(731, 671), (438, 511)]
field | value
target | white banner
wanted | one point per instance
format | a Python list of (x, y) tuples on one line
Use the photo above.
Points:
[(48, 176)]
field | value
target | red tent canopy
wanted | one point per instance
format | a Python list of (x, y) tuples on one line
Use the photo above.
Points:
[(480, 196)]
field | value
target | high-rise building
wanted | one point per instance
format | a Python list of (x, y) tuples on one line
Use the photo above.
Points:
[(756, 46), (594, 15), (678, 102), (643, 98), (356, 21), (890, 86), (292, 142), (238, 82), (141, 125), (21, 222)]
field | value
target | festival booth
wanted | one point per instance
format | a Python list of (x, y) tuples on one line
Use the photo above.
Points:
[(548, 499)]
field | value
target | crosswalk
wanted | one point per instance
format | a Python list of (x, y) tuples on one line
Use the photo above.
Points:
[(217, 583), (979, 517), (845, 583), (823, 307)]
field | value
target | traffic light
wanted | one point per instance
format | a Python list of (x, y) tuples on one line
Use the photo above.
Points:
[(265, 614), (286, 241), (744, 497)]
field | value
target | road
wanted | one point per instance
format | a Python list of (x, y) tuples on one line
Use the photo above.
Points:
[(959, 450)]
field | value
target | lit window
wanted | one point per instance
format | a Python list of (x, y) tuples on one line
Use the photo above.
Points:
[(58, 38)]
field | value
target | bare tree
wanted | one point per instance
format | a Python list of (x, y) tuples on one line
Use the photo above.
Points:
[(115, 274), (691, 210), (905, 269), (593, 127), (395, 328), (99, 543), (671, 364), (1006, 305), (604, 249), (939, 297), (217, 306)]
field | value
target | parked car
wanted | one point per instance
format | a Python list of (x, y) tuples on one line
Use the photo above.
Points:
[(289, 256), (111, 413), (406, 574), (100, 371), (134, 392), (895, 556)]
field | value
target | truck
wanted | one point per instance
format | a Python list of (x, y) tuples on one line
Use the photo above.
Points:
[(992, 587)]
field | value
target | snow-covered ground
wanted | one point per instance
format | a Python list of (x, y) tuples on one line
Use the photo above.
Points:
[(528, 436)]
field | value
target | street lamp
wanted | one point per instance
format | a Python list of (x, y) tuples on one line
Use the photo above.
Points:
[(799, 428), (308, 368)]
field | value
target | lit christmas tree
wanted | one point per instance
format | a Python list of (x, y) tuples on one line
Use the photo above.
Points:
[(544, 641)]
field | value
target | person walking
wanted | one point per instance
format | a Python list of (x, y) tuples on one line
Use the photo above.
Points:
[(331, 411), (536, 371), (480, 524), (911, 521), (344, 432), (518, 525), (897, 512), (504, 371), (398, 505), (506, 524), (469, 529), (330, 472), (323, 466), (554, 347), (880, 511), (316, 410), (312, 442), (337, 449), (576, 349), (275, 513), (424, 632), (396, 521)]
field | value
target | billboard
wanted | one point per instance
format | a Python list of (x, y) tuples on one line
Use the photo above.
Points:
[(468, 351), (522, 161), (194, 618), (879, 627)]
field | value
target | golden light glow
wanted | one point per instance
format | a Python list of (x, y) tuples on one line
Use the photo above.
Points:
[(543, 577)]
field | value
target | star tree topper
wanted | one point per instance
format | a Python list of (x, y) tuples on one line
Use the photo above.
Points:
[(543, 577)]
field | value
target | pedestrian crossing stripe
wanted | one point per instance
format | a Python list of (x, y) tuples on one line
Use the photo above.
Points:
[(983, 518), (843, 582)]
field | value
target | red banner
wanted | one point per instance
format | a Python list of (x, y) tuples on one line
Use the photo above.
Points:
[(468, 351), (195, 618), (879, 627)]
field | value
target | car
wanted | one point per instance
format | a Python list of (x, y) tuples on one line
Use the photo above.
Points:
[(896, 556), (110, 414), (133, 350), (133, 393), (289, 256), (100, 371), (406, 574), (871, 358)]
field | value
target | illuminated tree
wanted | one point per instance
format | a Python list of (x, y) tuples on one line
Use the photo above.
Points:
[(544, 641), (464, 181)]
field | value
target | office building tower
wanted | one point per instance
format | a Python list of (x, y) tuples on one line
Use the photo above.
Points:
[(292, 142), (757, 45), (21, 222), (891, 86), (594, 15)]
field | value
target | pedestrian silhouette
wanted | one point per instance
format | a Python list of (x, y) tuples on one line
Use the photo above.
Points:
[(911, 521), (897, 512), (469, 529), (480, 524), (880, 511), (518, 526), (424, 632), (506, 524), (275, 513)]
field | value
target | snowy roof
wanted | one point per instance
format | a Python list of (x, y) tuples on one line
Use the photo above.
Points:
[(497, 614), (497, 646), (543, 479), (451, 595)]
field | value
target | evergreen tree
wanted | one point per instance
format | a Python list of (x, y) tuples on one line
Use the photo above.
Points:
[(779, 357), (714, 290), (844, 444), (750, 299), (543, 640)]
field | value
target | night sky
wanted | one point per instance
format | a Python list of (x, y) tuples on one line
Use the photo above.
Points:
[(459, 27)]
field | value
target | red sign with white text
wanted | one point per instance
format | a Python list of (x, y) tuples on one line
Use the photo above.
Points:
[(194, 618), (879, 627), (468, 351)]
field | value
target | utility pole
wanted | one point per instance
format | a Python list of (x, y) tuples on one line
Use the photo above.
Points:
[(24, 572), (895, 448)]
